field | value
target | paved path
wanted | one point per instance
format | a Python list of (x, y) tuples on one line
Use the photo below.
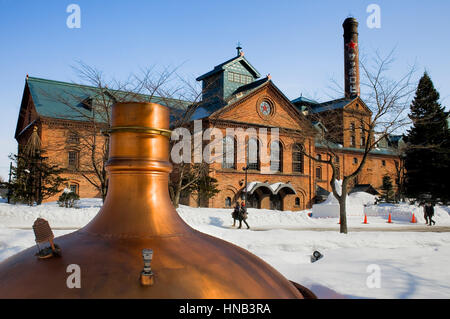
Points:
[(418, 228)]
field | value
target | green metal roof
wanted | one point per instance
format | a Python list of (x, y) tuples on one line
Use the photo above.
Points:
[(221, 67), (376, 150), (302, 100), (69, 101)]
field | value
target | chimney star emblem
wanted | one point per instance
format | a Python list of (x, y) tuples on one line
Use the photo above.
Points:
[(352, 45)]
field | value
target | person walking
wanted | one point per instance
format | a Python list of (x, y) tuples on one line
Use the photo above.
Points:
[(430, 214), (235, 213), (425, 212), (243, 215)]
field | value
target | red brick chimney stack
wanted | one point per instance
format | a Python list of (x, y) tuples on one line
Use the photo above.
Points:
[(351, 58)]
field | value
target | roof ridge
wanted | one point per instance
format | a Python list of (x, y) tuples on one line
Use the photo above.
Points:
[(71, 84), (337, 100), (60, 82)]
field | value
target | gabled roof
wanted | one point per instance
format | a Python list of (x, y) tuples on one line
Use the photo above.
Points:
[(62, 100), (203, 111), (246, 89), (236, 98), (222, 66), (331, 105), (336, 105)]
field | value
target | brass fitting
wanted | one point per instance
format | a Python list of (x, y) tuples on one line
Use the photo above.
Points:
[(147, 277)]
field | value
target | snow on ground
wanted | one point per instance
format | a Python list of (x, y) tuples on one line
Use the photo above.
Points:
[(412, 264)]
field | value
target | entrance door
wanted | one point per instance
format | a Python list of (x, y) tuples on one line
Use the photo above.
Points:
[(254, 201), (276, 202)]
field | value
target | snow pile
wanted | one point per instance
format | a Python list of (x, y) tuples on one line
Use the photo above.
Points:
[(355, 204), (23, 216)]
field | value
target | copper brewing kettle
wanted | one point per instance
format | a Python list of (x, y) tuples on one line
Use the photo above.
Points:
[(137, 215)]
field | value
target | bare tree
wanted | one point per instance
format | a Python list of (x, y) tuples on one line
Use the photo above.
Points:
[(90, 117), (388, 101)]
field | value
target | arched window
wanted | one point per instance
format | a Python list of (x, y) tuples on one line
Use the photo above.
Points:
[(228, 202), (297, 201), (297, 158), (276, 156), (229, 152), (253, 154)]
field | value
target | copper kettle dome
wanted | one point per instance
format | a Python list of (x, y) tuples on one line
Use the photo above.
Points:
[(137, 215)]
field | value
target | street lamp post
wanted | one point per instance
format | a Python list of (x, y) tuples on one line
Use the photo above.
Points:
[(245, 198), (9, 182)]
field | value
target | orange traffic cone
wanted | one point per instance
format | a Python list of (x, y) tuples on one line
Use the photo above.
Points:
[(413, 220), (365, 219), (389, 219)]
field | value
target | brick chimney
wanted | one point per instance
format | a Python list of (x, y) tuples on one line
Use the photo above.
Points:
[(351, 58)]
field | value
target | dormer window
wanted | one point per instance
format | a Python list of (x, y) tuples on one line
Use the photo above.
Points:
[(87, 103), (239, 78)]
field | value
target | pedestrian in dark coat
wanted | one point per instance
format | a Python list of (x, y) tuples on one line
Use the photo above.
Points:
[(425, 212), (243, 215), (430, 213), (235, 213)]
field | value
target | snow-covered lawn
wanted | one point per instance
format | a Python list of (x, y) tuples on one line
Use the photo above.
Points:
[(412, 263)]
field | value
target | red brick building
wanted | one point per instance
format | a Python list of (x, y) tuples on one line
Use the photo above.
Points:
[(289, 180), (234, 97)]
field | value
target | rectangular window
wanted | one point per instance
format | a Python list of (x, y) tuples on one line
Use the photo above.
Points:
[(73, 159), (228, 160), (353, 141), (355, 160), (383, 162), (319, 172), (230, 76), (74, 188)]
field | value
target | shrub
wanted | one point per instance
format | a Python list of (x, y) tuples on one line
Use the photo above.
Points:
[(68, 199)]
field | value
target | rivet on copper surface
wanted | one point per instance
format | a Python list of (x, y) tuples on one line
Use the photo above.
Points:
[(147, 278), (43, 233)]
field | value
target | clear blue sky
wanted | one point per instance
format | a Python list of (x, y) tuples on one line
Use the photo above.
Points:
[(298, 42)]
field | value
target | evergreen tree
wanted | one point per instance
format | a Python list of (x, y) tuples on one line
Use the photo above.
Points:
[(427, 154), (33, 179), (205, 188), (388, 189)]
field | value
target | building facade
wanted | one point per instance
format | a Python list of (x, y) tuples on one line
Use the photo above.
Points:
[(236, 98)]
